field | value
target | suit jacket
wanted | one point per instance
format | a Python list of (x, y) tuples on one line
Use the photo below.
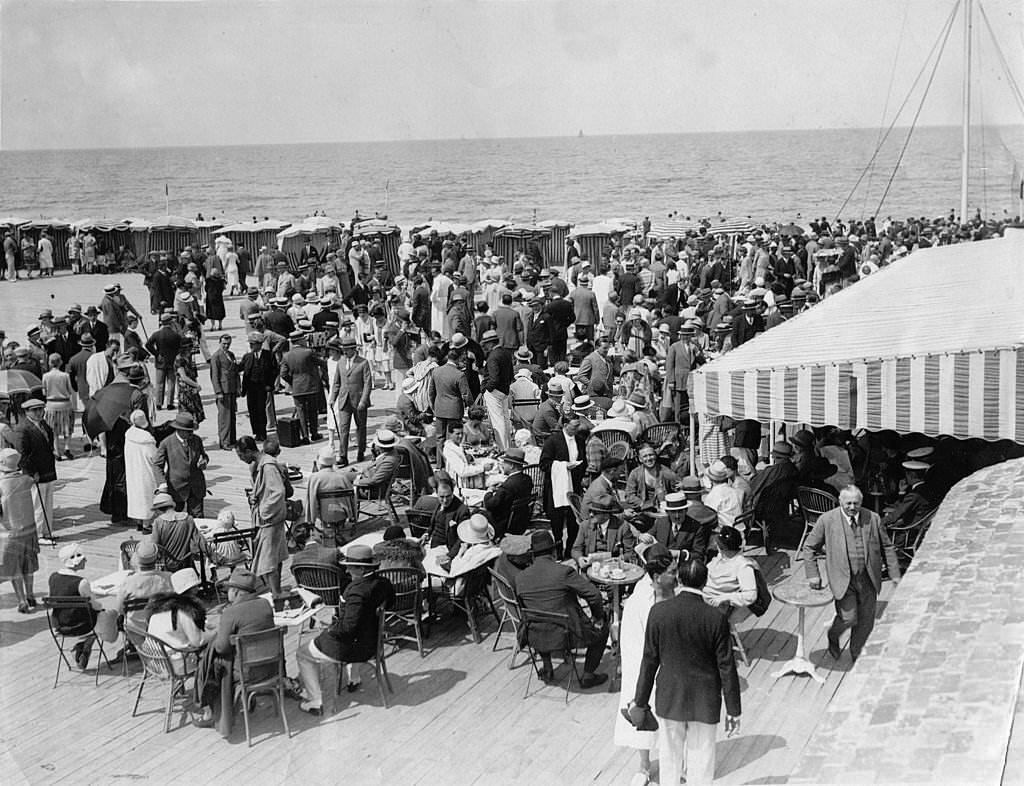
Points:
[(180, 463), (132, 339), (830, 532), (598, 371), (509, 327), (688, 647), (547, 585), (498, 368), (449, 392), (557, 449), (584, 304), (773, 487), (678, 364), (353, 386), (98, 331), (692, 536), (279, 322), (562, 315), (498, 503), (259, 370), (545, 421), (742, 331), (538, 332), (301, 367), (914, 504), (224, 373), (35, 444), (352, 637), (163, 345), (618, 534), (636, 488), (76, 369)]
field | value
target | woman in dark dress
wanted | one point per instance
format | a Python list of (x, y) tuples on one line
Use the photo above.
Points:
[(189, 398), (114, 500), (215, 299)]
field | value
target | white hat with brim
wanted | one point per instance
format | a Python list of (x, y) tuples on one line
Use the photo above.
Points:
[(476, 529), (619, 409)]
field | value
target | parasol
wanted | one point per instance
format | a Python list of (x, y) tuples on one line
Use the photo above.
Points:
[(790, 230), (14, 381), (109, 404)]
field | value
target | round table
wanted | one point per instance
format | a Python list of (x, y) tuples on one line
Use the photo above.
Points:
[(795, 591), (631, 575)]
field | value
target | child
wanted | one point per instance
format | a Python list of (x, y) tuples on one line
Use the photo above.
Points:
[(228, 552)]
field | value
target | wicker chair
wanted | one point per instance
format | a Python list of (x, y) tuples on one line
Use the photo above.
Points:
[(158, 664), (659, 433), (812, 502), (511, 614), (533, 472), (907, 539), (380, 667), (407, 610), (321, 580)]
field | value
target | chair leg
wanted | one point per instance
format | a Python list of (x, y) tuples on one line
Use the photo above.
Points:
[(378, 670), (138, 696), (497, 633), (245, 715), (738, 644), (170, 706), (417, 629)]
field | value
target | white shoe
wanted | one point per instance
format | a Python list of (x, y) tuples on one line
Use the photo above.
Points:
[(640, 779)]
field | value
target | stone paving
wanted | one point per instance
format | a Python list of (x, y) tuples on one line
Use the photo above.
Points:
[(934, 696)]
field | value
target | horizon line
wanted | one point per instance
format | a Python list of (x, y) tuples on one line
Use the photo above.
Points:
[(479, 139)]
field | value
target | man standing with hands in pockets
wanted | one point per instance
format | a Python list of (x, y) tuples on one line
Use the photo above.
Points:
[(353, 383), (687, 644), (854, 541)]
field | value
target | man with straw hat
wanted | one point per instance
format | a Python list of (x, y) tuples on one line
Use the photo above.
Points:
[(352, 637), (34, 439)]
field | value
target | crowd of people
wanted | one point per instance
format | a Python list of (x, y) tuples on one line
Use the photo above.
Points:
[(542, 410)]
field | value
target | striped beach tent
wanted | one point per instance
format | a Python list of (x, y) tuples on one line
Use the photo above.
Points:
[(388, 233), (732, 226), (554, 248), (593, 238), (482, 232), (671, 227), (933, 343), (59, 231), (508, 240), (172, 233), (320, 228), (252, 235)]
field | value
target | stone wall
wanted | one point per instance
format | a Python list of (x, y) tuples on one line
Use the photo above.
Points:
[(932, 698)]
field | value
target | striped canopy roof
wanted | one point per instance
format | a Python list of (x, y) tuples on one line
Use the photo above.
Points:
[(930, 344)]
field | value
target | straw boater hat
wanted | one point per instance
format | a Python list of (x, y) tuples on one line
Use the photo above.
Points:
[(183, 580), (524, 373), (718, 472), (32, 403), (458, 341), (916, 466), (674, 501), (385, 439), (921, 454), (489, 336), (637, 400), (582, 404), (555, 388), (602, 507), (147, 554), (165, 318), (524, 354), (782, 449), (476, 529), (360, 556)]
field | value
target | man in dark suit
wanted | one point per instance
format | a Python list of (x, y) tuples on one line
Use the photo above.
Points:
[(687, 525), (353, 382), (538, 329), (91, 324), (509, 323), (584, 306), (678, 364), (301, 367), (161, 290), (597, 371), (164, 346), (224, 378), (182, 459), (309, 252), (916, 502), (854, 541), (34, 441), (449, 395), (548, 585), (560, 316), (259, 370), (772, 489), (496, 384), (688, 646), (276, 319), (499, 502), (563, 464), (748, 325)]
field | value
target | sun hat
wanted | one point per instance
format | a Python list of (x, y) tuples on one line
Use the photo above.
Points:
[(183, 421), (488, 336), (718, 472), (618, 409), (348, 341), (674, 500), (359, 556), (476, 529), (916, 466), (136, 374), (920, 454), (162, 500), (147, 554), (32, 403), (326, 457), (9, 458), (637, 400), (515, 456), (604, 506), (458, 341), (385, 438), (243, 579), (91, 310), (555, 388), (74, 308), (524, 373)]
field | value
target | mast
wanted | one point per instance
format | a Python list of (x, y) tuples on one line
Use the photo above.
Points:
[(966, 152)]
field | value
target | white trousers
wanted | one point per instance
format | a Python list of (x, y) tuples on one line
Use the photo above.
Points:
[(497, 411), (692, 740), (42, 504), (309, 659)]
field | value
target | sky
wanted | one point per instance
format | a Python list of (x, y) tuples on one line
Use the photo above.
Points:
[(220, 72)]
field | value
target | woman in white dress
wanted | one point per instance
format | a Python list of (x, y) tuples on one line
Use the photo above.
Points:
[(439, 305), (141, 471), (659, 584)]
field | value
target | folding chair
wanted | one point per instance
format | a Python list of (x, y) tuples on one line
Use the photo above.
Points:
[(380, 666), (379, 494), (533, 472), (535, 619), (407, 610), (812, 502), (159, 664), (255, 650), (58, 609), (511, 614)]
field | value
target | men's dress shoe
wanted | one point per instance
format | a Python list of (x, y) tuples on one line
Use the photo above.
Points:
[(203, 723), (833, 648), (31, 600), (593, 680), (360, 457), (546, 675), (82, 657), (311, 708), (352, 687)]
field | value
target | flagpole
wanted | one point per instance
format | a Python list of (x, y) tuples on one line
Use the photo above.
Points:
[(167, 200)]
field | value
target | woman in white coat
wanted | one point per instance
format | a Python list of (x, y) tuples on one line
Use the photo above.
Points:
[(141, 471), (658, 585)]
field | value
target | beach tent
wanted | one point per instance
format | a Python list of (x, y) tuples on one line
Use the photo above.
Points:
[(671, 227), (482, 232), (388, 233), (933, 343), (508, 240), (13, 223), (593, 239), (320, 228), (110, 233), (733, 226), (139, 228), (206, 229), (172, 233), (554, 249), (253, 235), (59, 231)]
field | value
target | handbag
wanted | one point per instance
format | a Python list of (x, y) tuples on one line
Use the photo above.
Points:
[(647, 723)]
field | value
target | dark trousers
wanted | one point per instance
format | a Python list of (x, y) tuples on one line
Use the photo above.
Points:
[(596, 641), (675, 407), (187, 499), (588, 331), (305, 408), (227, 409), (163, 384), (557, 348), (345, 417), (562, 519), (256, 404), (855, 611)]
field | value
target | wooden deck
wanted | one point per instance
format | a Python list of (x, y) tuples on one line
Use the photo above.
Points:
[(458, 715)]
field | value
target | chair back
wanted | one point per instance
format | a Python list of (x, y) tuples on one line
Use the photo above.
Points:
[(612, 436), (128, 549), (408, 588), (155, 659), (507, 595), (813, 502), (576, 504), (659, 433), (246, 538), (262, 648), (554, 625), (519, 515), (744, 521), (533, 472), (324, 581), (69, 615), (404, 469), (336, 505)]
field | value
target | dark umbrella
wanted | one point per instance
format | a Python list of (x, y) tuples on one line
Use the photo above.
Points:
[(111, 403), (14, 381), (790, 230)]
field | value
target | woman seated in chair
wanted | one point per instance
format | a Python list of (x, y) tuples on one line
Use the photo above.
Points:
[(619, 418), (352, 638), (523, 438), (731, 586), (178, 619), (69, 581), (175, 534), (724, 498), (398, 551)]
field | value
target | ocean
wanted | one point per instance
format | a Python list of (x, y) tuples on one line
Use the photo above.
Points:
[(769, 175)]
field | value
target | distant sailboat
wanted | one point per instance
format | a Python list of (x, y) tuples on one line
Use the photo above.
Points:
[(580, 135)]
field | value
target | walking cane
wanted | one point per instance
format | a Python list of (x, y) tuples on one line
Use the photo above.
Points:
[(49, 539)]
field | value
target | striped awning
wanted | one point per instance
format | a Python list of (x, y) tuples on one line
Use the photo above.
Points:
[(932, 344)]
